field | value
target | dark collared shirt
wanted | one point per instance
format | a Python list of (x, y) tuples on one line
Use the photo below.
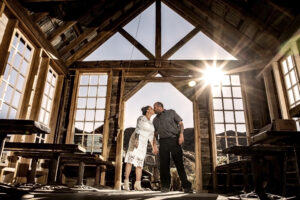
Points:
[(166, 124)]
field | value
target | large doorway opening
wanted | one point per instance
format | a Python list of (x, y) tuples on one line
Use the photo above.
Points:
[(172, 99)]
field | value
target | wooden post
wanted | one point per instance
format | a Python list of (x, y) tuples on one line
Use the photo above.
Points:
[(158, 31), (53, 166), (213, 141), (120, 136), (102, 176), (198, 163), (4, 47), (70, 134), (106, 125), (60, 173), (33, 170), (271, 97), (97, 178), (245, 177), (281, 91), (80, 173)]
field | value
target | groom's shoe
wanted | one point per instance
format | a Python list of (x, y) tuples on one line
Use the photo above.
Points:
[(188, 190)]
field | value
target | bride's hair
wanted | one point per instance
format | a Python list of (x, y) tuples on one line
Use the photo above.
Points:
[(144, 109)]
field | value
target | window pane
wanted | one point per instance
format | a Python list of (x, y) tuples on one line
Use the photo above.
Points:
[(44, 102), (216, 91), (80, 115), (8, 94), (235, 80), (15, 41), (2, 87), (238, 104), (231, 142), (49, 104), (291, 97), (4, 111), (97, 143), (13, 77), (101, 102), (98, 127), (78, 127), (230, 128), (20, 83), (218, 115), (51, 93), (219, 129), (239, 117), (217, 103), (16, 99), (93, 80), (290, 62), (91, 103), (102, 91), (42, 115), (12, 113), (296, 92), (103, 79), (24, 67), (27, 53), (81, 102), (53, 82), (92, 91), (84, 79), (229, 117), (17, 61), (21, 45), (226, 80), (241, 128), (226, 91), (242, 141), (11, 54), (284, 67), (228, 104), (287, 81), (100, 115), (6, 76), (46, 120), (88, 127), (90, 115), (293, 77), (83, 91), (78, 139)]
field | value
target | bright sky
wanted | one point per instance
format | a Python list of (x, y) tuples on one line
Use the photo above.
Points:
[(174, 28)]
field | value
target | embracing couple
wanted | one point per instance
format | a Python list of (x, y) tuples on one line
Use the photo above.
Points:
[(168, 127)]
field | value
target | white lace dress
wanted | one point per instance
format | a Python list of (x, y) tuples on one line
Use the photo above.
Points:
[(145, 129)]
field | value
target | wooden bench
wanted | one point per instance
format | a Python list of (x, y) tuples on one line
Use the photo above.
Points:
[(37, 151), (242, 166)]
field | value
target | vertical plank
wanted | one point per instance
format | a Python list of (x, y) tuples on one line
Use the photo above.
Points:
[(55, 108), (106, 124), (53, 168), (39, 90), (4, 46), (270, 92), (30, 81), (80, 173), (198, 163), (213, 141), (158, 30), (97, 178), (120, 136), (281, 91), (33, 170), (70, 134)]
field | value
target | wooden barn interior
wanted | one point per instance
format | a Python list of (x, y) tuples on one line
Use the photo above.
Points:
[(42, 75)]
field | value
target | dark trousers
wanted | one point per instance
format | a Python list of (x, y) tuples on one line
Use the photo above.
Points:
[(167, 146)]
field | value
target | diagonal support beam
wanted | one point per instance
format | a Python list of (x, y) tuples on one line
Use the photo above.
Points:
[(135, 43), (182, 42)]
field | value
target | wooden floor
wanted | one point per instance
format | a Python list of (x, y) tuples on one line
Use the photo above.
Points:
[(132, 195)]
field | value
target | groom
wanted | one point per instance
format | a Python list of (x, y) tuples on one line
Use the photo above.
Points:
[(169, 127)]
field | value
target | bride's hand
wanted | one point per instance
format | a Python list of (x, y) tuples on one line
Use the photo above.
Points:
[(154, 150), (136, 143)]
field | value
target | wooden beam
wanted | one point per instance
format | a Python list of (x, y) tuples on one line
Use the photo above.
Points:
[(135, 43), (4, 46), (161, 79), (283, 102), (41, 1), (198, 151), (36, 17), (120, 136), (31, 28), (106, 125), (243, 40), (281, 9), (271, 95), (158, 30), (180, 43), (104, 34), (2, 7), (60, 30), (138, 86)]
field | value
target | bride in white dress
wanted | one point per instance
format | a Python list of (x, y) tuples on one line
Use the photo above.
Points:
[(138, 147)]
